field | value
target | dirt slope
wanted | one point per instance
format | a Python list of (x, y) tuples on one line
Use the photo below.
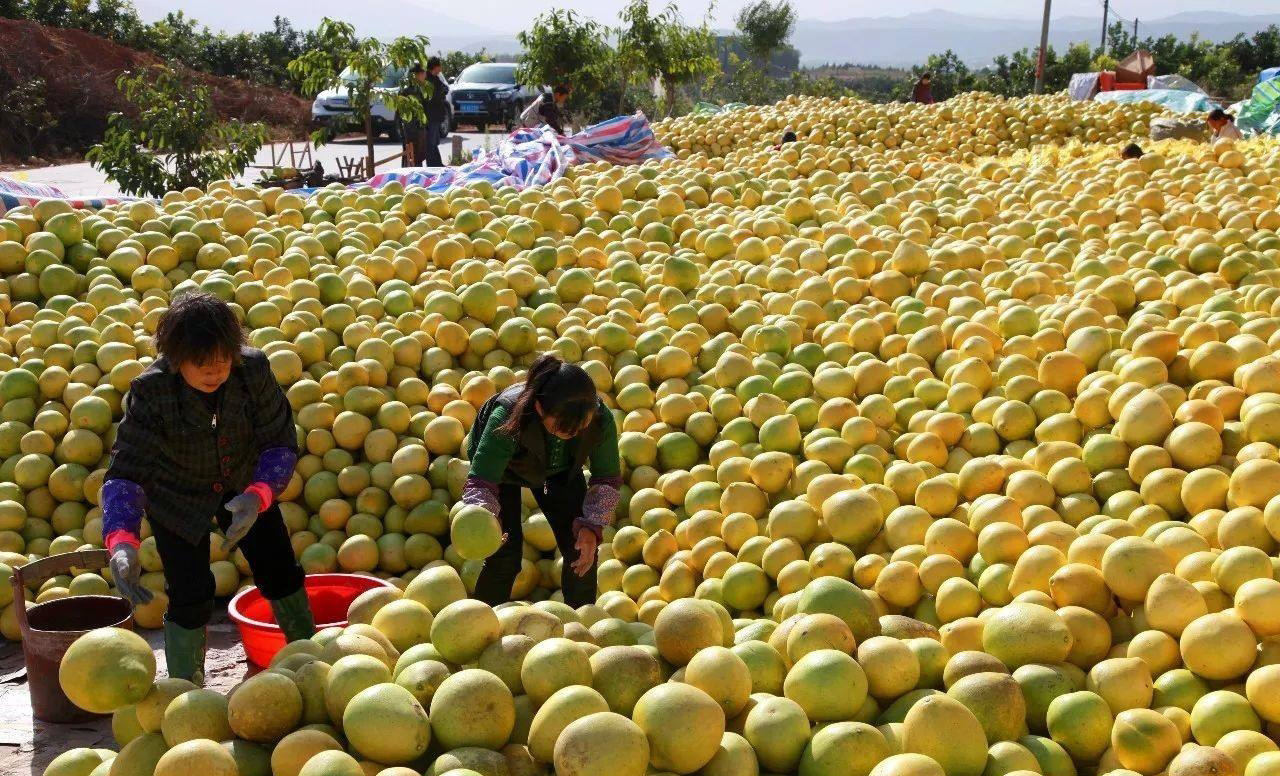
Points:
[(80, 71)]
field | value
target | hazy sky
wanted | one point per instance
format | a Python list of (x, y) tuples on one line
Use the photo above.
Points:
[(506, 16), (498, 10)]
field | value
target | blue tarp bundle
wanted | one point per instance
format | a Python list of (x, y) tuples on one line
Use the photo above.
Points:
[(1175, 100)]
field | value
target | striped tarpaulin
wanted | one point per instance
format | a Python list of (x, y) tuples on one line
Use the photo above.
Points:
[(15, 193), (535, 157)]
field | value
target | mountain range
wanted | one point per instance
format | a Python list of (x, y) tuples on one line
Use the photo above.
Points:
[(883, 40)]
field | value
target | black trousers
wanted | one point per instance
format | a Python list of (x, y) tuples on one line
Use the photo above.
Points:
[(431, 151), (415, 140), (189, 583), (561, 501)]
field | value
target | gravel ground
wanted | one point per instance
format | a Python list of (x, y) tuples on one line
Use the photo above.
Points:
[(27, 745)]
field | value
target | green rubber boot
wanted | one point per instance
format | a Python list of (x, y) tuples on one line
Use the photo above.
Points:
[(293, 615), (184, 652)]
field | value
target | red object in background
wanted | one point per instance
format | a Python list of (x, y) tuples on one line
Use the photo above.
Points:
[(329, 594), (1107, 81), (1123, 87)]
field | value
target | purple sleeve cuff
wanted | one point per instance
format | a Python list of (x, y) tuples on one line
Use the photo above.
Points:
[(583, 525), (123, 504), (601, 501), (275, 468), (481, 493)]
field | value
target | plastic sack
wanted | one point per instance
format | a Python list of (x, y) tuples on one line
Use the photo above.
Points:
[(529, 117), (1173, 81), (1172, 99), (1083, 86), (1165, 128), (1258, 114)]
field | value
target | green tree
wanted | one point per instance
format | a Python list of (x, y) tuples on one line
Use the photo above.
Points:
[(561, 47), (454, 62), (24, 116), (951, 76), (765, 27), (360, 65), (687, 55), (639, 46), (173, 137)]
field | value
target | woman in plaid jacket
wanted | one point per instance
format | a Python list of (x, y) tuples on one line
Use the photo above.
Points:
[(207, 432)]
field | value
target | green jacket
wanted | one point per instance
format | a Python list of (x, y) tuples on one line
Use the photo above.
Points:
[(524, 460)]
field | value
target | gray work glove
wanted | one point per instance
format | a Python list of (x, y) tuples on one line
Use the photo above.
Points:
[(126, 570), (244, 513)]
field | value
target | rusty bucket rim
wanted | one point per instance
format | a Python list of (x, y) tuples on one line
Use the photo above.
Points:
[(121, 623)]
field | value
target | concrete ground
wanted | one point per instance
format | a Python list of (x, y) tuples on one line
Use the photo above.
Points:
[(27, 745), (82, 181)]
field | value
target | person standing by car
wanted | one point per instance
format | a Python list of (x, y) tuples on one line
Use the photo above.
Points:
[(207, 432), (552, 111), (415, 133), (437, 108)]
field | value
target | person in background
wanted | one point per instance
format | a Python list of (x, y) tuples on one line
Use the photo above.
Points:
[(552, 111), (437, 108), (787, 137), (538, 435), (207, 432), (923, 91), (1131, 151), (414, 133), (1223, 125)]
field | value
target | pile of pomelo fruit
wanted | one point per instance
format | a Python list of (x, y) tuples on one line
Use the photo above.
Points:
[(940, 459)]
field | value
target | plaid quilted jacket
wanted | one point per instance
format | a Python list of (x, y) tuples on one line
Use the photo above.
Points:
[(188, 460)]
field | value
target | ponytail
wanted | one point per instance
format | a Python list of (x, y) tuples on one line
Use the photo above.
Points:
[(564, 391)]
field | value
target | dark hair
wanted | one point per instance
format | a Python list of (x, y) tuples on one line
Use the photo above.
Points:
[(197, 327), (561, 89), (433, 62), (788, 137), (1131, 151), (1218, 114), (417, 68), (565, 392), (926, 75)]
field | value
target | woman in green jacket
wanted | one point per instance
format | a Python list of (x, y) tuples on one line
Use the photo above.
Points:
[(538, 435)]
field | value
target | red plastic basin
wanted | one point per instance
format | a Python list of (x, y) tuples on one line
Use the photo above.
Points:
[(330, 596)]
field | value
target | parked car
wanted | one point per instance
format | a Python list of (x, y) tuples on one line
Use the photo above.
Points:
[(487, 93), (332, 107)]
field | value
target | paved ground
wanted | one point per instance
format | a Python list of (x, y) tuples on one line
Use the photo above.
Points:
[(27, 746), (82, 181)]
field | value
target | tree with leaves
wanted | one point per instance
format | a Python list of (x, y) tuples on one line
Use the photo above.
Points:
[(639, 47), (173, 137), (765, 27), (359, 65), (561, 47)]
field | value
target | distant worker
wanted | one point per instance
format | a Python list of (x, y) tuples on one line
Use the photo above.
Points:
[(787, 137), (437, 108), (1223, 125), (552, 111), (923, 91), (1131, 151), (414, 133)]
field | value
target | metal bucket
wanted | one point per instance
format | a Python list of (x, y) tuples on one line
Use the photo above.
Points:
[(49, 628)]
